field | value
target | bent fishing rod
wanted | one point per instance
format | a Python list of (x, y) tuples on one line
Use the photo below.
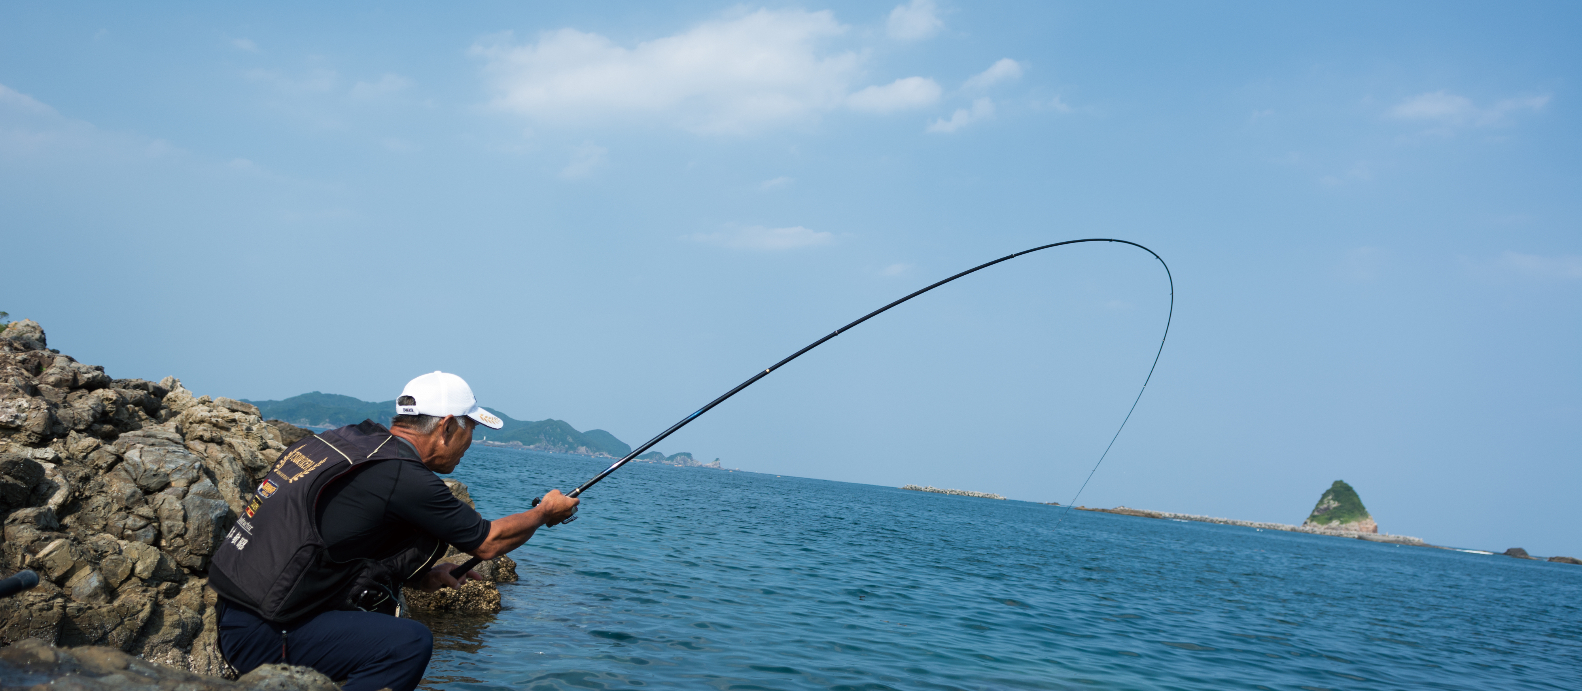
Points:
[(460, 571)]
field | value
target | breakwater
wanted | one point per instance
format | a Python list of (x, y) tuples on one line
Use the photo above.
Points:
[(1315, 530), (956, 492)]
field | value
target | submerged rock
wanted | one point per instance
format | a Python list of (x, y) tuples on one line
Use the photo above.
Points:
[(1341, 509)]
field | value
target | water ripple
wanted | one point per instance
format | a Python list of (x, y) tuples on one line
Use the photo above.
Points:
[(785, 583)]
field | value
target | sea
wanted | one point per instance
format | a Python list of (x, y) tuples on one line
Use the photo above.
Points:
[(707, 579)]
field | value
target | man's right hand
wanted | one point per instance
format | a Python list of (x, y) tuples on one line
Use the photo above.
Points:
[(555, 507)]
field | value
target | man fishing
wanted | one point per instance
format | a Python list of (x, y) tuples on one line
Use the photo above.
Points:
[(312, 572)]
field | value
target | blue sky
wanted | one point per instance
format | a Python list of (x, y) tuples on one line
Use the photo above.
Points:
[(611, 214)]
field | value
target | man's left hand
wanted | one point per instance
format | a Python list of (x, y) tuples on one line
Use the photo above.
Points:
[(439, 577)]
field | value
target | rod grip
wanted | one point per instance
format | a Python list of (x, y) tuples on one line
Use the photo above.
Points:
[(466, 566)]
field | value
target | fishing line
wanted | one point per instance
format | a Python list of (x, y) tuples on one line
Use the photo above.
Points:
[(461, 570)]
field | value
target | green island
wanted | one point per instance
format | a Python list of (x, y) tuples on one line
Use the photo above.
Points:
[(1339, 505), (317, 409)]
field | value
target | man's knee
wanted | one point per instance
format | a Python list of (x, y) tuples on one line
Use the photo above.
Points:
[(413, 639)]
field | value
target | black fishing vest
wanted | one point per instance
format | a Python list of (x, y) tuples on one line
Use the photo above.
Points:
[(274, 560)]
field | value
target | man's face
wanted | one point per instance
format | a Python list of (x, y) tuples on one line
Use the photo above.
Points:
[(453, 445)]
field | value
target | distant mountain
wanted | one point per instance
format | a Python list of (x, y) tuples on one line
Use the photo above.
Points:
[(334, 410), (325, 410)]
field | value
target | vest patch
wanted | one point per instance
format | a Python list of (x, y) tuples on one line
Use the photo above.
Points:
[(267, 489), (295, 466)]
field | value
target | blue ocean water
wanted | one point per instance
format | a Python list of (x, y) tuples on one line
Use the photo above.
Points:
[(695, 578)]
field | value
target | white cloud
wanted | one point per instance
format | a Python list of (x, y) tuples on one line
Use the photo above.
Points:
[(19, 102), (245, 44), (584, 160), (914, 21), (1565, 267), (765, 239), (1004, 70), (387, 84), (727, 76), (1452, 110), (895, 269), (981, 109), (776, 183), (901, 94)]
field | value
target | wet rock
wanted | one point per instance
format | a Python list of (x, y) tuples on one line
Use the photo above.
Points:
[(473, 597), (1565, 560), (1518, 552)]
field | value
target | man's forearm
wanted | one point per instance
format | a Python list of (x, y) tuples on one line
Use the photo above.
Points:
[(508, 533)]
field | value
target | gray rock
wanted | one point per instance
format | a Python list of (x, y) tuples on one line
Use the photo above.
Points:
[(58, 560), (88, 586), (20, 336), (1565, 560), (1518, 552), (207, 520), (286, 678)]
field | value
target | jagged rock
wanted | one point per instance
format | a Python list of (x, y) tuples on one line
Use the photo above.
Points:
[(1519, 553), (22, 336), (1565, 560)]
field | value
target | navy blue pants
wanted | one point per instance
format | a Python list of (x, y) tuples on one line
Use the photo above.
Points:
[(370, 651)]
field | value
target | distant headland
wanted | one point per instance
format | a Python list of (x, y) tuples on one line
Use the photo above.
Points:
[(334, 410)]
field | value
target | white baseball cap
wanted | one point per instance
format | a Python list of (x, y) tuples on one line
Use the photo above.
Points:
[(440, 394)]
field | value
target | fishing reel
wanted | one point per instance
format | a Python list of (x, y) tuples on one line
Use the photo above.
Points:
[(569, 519)]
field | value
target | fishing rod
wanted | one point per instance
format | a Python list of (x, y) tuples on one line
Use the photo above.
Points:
[(460, 571)]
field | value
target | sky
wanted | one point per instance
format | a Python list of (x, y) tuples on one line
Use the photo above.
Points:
[(610, 214)]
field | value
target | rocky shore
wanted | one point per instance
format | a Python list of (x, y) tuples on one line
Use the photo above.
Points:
[(117, 491), (1308, 528), (956, 492)]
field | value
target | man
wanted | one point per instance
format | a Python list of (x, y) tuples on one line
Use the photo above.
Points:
[(312, 572)]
